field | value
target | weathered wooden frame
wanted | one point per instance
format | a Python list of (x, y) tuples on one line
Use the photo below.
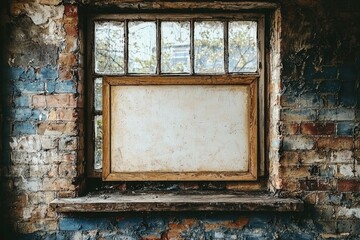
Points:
[(250, 175), (226, 14)]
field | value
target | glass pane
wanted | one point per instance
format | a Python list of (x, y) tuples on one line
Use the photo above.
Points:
[(209, 47), (142, 47), (109, 47), (175, 47), (98, 94), (98, 142), (243, 56)]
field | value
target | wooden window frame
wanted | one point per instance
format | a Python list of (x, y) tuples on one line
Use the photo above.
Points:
[(250, 175), (256, 80)]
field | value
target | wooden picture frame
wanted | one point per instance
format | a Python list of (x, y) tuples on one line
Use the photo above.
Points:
[(110, 117)]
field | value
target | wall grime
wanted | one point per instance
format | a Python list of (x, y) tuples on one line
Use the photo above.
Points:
[(318, 129)]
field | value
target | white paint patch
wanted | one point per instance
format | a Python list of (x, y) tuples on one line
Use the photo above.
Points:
[(179, 128)]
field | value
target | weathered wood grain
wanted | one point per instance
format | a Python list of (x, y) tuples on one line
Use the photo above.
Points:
[(116, 202)]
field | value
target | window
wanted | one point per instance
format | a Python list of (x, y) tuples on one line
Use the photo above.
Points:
[(177, 97)]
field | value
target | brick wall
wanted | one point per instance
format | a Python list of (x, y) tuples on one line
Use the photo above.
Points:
[(314, 136)]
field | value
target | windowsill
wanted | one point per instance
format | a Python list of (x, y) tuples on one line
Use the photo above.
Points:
[(138, 202)]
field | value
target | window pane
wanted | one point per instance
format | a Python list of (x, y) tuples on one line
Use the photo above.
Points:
[(243, 56), (109, 47), (175, 47), (209, 47), (98, 142), (98, 94), (142, 47)]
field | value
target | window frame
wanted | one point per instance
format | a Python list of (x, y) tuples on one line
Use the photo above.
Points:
[(260, 165)]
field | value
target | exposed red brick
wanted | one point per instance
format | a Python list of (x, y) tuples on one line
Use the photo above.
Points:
[(63, 114), (314, 185), (71, 29), (71, 10), (38, 101), (289, 158), (294, 172), (67, 60), (71, 44), (326, 128), (309, 129), (57, 128), (335, 143), (65, 73), (290, 128), (61, 100), (348, 185), (317, 128)]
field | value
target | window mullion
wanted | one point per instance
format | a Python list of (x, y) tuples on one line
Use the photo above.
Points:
[(126, 47), (192, 50), (226, 47), (158, 47)]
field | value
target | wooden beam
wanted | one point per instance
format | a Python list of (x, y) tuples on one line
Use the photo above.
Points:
[(116, 202)]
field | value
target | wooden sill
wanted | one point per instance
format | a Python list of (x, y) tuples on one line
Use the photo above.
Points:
[(139, 202)]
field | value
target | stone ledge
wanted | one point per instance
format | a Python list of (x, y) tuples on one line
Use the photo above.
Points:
[(116, 202)]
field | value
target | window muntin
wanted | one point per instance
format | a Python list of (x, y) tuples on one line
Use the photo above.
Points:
[(229, 29)]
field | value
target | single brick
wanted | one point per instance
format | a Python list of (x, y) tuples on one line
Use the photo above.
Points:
[(290, 128), (57, 184), (49, 142), (308, 128), (325, 128), (65, 73), (61, 100), (71, 44), (294, 172), (328, 171), (23, 128), (340, 114), (290, 158), (21, 101), (295, 142), (71, 10), (298, 115), (71, 29), (49, 73), (38, 101), (348, 185), (21, 114), (315, 185), (67, 60), (68, 86), (341, 156), (312, 157), (38, 115), (57, 128), (346, 170), (348, 213), (310, 101), (68, 143), (345, 128), (63, 114), (338, 143)]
